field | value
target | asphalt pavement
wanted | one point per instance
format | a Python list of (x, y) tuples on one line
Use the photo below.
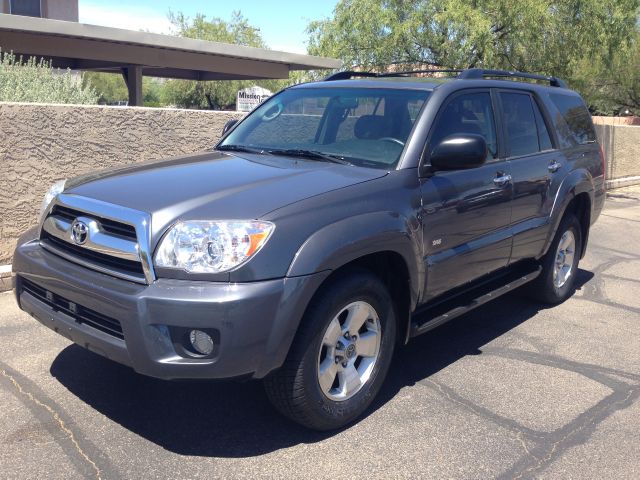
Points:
[(512, 390)]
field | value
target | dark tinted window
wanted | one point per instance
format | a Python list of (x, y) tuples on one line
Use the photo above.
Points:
[(30, 8), (574, 124), (467, 113), (520, 124), (543, 133)]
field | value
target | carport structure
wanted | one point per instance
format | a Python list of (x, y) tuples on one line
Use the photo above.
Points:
[(134, 54)]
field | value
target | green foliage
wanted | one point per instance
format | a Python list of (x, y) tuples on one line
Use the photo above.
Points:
[(112, 89), (214, 94), (37, 81), (556, 37), (617, 88)]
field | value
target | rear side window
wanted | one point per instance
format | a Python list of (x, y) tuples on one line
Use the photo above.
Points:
[(574, 122), (525, 127), (469, 113)]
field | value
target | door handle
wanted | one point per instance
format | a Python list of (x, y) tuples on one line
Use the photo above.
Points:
[(502, 180), (554, 166)]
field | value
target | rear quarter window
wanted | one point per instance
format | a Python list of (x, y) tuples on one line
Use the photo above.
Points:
[(572, 120)]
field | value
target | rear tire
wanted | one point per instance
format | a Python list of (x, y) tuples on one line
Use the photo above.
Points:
[(329, 378), (556, 282)]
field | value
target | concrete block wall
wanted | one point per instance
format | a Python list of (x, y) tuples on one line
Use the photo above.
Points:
[(41, 143), (621, 146)]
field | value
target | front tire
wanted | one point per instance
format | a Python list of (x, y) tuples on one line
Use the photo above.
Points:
[(557, 280), (340, 355)]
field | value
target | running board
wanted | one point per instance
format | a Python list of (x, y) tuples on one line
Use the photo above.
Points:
[(444, 311)]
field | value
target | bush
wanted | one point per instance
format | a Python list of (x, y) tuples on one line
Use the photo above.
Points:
[(38, 81)]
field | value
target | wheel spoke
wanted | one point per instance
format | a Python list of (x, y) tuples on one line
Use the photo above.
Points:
[(327, 374), (358, 314), (334, 331), (349, 380), (367, 344)]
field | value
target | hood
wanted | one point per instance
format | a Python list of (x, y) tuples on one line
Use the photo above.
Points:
[(216, 185)]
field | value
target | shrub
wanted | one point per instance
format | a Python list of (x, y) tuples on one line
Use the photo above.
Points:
[(37, 81)]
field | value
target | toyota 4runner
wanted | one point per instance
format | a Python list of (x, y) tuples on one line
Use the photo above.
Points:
[(299, 249)]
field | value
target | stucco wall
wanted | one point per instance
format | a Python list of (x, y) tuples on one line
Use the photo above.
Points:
[(43, 143), (621, 145)]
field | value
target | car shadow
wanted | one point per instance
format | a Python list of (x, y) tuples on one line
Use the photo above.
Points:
[(235, 419)]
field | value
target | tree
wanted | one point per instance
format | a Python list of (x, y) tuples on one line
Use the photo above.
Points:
[(112, 89), (213, 94), (614, 89), (556, 37), (37, 81)]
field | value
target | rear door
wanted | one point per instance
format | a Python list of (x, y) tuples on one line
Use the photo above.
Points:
[(537, 168), (465, 213)]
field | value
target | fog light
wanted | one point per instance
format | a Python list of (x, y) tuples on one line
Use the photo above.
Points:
[(201, 342)]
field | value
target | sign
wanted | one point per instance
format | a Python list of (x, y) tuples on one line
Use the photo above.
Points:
[(250, 98)]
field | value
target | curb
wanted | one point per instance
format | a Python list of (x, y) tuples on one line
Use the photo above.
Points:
[(6, 280), (621, 182)]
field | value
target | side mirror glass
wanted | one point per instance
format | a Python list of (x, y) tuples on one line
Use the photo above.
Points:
[(228, 126), (459, 152)]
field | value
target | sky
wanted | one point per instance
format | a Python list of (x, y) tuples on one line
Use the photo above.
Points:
[(282, 23)]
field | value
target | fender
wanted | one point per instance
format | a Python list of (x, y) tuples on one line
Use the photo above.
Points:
[(577, 182), (348, 239)]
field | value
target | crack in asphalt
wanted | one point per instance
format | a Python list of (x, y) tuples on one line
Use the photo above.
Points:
[(56, 417), (550, 445)]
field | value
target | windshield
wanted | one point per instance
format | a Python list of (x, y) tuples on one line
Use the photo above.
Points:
[(360, 126)]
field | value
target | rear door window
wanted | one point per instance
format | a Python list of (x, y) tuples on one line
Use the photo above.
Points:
[(520, 124), (572, 120)]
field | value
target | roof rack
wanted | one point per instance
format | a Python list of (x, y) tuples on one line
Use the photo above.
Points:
[(346, 75), (477, 73), (468, 74)]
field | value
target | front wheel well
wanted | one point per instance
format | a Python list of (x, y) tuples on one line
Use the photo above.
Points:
[(392, 269)]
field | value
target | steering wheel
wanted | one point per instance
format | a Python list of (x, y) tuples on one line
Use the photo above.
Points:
[(273, 112), (393, 140)]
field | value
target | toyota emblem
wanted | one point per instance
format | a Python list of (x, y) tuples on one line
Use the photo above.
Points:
[(79, 232)]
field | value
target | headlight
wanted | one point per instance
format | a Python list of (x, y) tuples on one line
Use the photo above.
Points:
[(211, 246), (54, 190)]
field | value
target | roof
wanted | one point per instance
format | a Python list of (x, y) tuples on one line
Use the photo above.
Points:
[(91, 47)]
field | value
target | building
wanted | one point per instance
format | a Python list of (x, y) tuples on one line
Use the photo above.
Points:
[(53, 9)]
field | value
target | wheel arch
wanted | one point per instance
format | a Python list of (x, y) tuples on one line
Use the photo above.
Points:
[(575, 195), (384, 243)]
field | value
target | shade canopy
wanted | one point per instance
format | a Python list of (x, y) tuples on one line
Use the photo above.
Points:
[(90, 47)]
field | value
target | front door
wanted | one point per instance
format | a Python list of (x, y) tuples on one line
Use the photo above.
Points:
[(466, 213)]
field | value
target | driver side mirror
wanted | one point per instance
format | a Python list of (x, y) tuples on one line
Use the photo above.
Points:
[(459, 152), (228, 126)]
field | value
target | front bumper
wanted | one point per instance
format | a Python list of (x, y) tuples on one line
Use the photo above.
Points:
[(254, 322)]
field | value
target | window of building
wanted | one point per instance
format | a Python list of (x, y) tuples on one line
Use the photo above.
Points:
[(29, 8)]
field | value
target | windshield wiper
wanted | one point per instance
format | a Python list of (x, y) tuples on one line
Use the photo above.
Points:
[(242, 148), (311, 154)]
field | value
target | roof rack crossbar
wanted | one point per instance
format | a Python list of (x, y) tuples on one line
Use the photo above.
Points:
[(468, 74), (477, 73)]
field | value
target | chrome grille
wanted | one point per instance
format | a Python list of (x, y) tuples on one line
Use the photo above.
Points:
[(110, 245), (110, 226)]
